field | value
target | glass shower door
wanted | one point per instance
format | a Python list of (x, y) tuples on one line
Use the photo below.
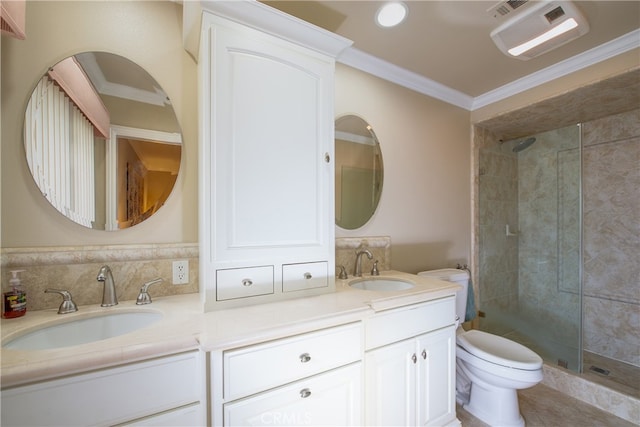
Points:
[(529, 243)]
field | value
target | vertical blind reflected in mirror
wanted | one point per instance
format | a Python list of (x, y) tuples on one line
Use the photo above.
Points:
[(359, 172), (102, 141)]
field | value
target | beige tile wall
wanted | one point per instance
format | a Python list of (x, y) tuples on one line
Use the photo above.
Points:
[(75, 269)]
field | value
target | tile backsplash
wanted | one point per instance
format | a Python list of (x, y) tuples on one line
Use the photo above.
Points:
[(346, 248), (75, 269)]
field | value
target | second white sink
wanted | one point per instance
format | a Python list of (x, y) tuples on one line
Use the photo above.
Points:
[(381, 284), (83, 331)]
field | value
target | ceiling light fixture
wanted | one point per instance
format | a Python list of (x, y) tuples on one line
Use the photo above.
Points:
[(391, 14), (567, 25)]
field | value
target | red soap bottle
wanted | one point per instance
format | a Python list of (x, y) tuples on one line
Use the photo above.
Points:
[(15, 300)]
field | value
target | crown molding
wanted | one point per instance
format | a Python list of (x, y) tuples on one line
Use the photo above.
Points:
[(585, 59), (385, 70)]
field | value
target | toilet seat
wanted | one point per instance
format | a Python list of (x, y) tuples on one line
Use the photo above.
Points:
[(499, 350)]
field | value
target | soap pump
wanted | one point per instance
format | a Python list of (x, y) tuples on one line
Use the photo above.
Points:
[(15, 300)]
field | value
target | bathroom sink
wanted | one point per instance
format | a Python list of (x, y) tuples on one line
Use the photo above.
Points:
[(381, 284), (83, 331)]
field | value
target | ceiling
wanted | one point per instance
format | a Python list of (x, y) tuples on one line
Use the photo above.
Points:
[(446, 44)]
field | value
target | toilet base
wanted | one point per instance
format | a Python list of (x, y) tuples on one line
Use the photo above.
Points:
[(495, 407)]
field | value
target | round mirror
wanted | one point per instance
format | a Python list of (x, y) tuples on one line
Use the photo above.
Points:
[(359, 172), (102, 141)]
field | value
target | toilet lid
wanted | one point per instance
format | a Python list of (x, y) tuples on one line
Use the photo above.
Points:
[(499, 350)]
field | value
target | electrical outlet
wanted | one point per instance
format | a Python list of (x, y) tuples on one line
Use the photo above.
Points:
[(180, 272)]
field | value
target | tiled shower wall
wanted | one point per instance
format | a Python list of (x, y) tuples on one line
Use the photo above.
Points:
[(536, 272), (611, 192)]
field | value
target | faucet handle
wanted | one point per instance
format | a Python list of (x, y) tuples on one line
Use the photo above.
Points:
[(374, 269), (343, 273), (67, 305), (143, 296)]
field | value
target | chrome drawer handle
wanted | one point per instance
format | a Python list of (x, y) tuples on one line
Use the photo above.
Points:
[(305, 392), (247, 282), (305, 357), (307, 276), (414, 358), (424, 354)]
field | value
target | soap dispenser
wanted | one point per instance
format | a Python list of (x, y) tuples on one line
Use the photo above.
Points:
[(15, 300)]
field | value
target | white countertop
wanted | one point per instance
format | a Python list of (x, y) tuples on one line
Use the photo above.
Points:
[(185, 327)]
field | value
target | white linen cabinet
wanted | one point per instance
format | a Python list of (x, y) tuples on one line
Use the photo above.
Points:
[(266, 155)]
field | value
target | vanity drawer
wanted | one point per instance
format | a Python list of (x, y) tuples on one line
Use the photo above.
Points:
[(308, 275), (245, 282), (263, 366), (110, 396), (395, 325)]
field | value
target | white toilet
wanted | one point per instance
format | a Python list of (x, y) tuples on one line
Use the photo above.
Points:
[(489, 368)]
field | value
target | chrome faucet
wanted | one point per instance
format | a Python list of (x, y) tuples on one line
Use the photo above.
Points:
[(358, 268), (143, 296), (67, 305), (109, 297)]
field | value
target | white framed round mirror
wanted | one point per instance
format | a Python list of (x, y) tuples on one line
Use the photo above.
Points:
[(359, 172), (102, 141)]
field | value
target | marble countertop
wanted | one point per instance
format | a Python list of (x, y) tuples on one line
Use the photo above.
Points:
[(184, 327)]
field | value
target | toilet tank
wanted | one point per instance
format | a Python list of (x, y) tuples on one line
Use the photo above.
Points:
[(460, 277)]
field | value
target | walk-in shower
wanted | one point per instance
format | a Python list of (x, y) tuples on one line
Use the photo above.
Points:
[(557, 229)]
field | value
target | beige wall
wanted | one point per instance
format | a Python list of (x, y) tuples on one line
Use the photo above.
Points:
[(425, 204), (148, 33)]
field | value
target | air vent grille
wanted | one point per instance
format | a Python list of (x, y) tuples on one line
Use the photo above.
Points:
[(505, 7), (554, 14)]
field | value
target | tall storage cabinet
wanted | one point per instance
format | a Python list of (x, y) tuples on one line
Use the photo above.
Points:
[(266, 156)]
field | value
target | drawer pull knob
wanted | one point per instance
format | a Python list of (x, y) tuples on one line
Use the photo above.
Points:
[(307, 276), (327, 158), (305, 392), (414, 358), (305, 357), (424, 354), (247, 282)]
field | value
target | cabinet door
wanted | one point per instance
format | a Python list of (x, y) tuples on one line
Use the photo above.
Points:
[(436, 383), (271, 128), (390, 383), (329, 399)]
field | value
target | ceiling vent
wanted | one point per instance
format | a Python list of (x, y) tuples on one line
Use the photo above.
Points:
[(504, 8), (539, 28)]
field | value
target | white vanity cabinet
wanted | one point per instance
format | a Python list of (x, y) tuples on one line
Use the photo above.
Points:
[(165, 391), (410, 365), (309, 379), (266, 156)]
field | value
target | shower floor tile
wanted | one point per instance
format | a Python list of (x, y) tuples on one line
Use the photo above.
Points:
[(542, 406), (622, 377)]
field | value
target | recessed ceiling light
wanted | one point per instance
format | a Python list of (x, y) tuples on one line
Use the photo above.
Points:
[(391, 14)]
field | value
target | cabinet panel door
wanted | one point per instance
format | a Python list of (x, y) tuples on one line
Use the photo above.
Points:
[(390, 382), (329, 399), (270, 134), (436, 384)]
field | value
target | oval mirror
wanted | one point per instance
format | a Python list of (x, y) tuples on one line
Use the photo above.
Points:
[(359, 172), (102, 141)]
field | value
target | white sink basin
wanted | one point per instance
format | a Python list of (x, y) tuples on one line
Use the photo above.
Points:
[(83, 331), (381, 284)]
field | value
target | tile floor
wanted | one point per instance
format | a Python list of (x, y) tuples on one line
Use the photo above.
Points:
[(542, 406)]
